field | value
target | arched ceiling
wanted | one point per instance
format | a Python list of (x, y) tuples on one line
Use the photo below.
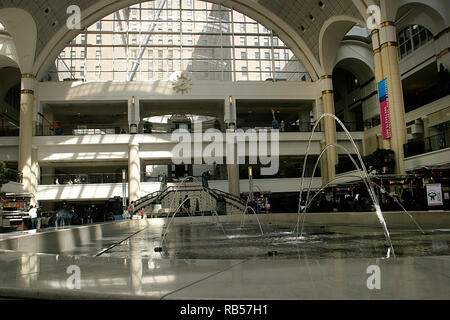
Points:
[(305, 18), (297, 14)]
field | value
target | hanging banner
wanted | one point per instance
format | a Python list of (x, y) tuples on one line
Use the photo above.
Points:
[(384, 109), (434, 195)]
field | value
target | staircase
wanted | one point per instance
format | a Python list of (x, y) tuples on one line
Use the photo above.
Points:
[(165, 202)]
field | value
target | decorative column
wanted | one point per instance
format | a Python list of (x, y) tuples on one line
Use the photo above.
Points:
[(391, 70), (134, 117), (379, 74), (329, 125), (34, 174), (134, 172), (230, 113), (231, 147), (26, 132)]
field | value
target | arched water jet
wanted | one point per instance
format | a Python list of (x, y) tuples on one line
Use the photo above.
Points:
[(256, 215), (176, 192), (364, 170), (245, 211), (170, 222), (313, 173), (308, 203)]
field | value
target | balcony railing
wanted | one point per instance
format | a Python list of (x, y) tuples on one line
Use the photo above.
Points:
[(8, 132), (104, 178), (433, 143), (84, 129), (299, 127), (354, 126)]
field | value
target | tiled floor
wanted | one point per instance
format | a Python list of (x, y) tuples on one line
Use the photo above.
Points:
[(199, 265), (45, 276)]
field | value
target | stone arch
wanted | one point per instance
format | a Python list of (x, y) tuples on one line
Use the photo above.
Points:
[(422, 14), (331, 35), (22, 29), (432, 14), (356, 57), (254, 10)]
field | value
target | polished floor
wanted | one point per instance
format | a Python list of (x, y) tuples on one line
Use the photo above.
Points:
[(212, 261)]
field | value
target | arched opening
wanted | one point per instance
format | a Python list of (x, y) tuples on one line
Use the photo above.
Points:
[(9, 101), (353, 84), (152, 40), (355, 99), (9, 105)]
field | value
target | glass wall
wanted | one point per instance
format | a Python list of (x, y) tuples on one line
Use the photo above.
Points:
[(153, 40)]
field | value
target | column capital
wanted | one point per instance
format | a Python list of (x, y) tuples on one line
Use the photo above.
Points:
[(389, 44), (27, 83), (388, 32), (28, 76), (442, 53), (387, 24), (326, 83), (27, 91)]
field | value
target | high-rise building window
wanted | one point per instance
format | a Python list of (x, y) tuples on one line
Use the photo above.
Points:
[(244, 71), (186, 30)]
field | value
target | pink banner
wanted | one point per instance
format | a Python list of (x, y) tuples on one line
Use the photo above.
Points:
[(385, 119)]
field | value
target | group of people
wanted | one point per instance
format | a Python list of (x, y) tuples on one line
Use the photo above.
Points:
[(130, 211), (76, 180), (340, 204)]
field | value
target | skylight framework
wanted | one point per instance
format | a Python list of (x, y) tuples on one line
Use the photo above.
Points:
[(152, 40)]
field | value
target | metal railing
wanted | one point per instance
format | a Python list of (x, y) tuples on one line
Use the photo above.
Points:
[(7, 132), (433, 143), (81, 178), (354, 126), (84, 129), (298, 127)]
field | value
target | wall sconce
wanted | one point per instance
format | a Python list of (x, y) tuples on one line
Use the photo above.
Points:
[(133, 100), (230, 99)]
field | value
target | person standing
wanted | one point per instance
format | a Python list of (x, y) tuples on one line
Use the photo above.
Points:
[(61, 215), (90, 214), (33, 215), (131, 210)]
